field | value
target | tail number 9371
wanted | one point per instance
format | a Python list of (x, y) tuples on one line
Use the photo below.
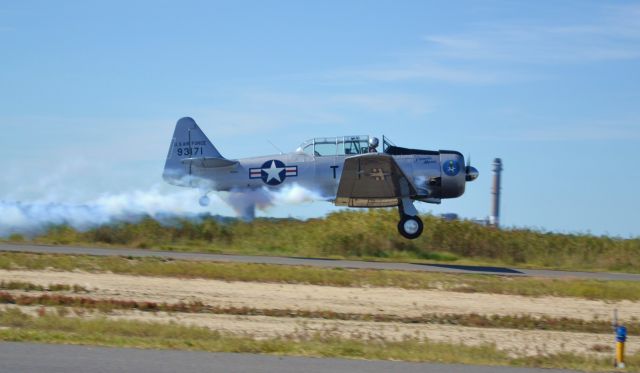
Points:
[(190, 151)]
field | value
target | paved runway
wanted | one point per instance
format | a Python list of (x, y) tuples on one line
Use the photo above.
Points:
[(326, 263), (33, 357)]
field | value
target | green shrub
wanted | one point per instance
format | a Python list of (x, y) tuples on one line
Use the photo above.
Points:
[(366, 234)]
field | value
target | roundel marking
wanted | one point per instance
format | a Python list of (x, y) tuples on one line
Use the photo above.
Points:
[(451, 167), (273, 172)]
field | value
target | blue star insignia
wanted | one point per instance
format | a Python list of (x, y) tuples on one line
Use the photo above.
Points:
[(273, 173)]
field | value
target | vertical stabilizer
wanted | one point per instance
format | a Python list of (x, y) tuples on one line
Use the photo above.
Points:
[(188, 143)]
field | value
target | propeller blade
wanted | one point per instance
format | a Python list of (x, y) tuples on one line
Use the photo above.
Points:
[(471, 172)]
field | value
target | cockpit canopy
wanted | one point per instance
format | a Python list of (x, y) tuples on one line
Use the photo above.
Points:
[(331, 146)]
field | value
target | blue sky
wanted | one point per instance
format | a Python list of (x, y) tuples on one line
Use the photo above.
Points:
[(90, 92)]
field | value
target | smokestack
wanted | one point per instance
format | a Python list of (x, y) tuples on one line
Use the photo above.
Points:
[(494, 219)]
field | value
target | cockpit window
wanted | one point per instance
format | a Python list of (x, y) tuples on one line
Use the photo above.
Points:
[(356, 145), (325, 148), (331, 146)]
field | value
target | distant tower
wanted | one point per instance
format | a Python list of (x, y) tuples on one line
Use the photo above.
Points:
[(494, 219)]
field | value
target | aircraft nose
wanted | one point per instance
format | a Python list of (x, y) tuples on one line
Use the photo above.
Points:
[(472, 173)]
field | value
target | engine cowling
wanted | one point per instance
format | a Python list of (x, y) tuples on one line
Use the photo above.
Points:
[(453, 174), (445, 176)]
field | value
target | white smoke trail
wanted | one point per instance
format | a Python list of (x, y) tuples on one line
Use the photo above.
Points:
[(34, 217)]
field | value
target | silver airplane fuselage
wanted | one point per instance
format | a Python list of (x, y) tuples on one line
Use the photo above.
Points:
[(322, 174), (345, 170)]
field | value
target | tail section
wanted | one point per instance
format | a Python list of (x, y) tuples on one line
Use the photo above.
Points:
[(189, 152)]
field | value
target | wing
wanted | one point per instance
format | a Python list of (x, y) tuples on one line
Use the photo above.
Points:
[(372, 180)]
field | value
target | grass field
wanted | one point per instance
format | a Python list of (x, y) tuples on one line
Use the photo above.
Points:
[(468, 283), (53, 328), (355, 234)]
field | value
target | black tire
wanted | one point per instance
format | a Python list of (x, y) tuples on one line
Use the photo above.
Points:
[(408, 229)]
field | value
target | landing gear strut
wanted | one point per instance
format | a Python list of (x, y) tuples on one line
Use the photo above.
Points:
[(410, 225)]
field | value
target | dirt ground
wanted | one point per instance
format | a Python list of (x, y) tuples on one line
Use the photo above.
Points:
[(393, 301), (369, 300), (517, 343)]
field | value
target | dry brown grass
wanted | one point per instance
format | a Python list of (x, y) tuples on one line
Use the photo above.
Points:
[(521, 322), (590, 289)]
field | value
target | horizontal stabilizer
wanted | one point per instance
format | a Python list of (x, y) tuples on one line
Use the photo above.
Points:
[(209, 162)]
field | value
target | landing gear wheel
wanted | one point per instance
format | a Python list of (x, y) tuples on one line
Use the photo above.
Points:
[(410, 227), (204, 201)]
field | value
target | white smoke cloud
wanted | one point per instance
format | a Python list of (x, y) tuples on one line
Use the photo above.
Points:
[(35, 216), (244, 202), (295, 194)]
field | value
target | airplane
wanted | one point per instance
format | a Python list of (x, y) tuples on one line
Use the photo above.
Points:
[(346, 170)]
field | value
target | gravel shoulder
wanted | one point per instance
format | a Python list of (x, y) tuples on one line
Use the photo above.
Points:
[(370, 300), (518, 343)]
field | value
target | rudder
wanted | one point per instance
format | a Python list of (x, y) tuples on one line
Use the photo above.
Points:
[(188, 142)]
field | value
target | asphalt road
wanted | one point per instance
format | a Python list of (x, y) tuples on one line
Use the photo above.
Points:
[(33, 357), (326, 263)]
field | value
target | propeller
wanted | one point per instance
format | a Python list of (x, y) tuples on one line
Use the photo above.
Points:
[(471, 172)]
